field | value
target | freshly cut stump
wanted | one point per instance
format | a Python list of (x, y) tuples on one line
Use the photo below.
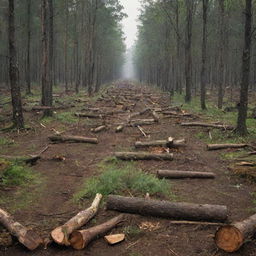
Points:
[(166, 209), (143, 156), (80, 239), (28, 238), (169, 174), (60, 235), (230, 238)]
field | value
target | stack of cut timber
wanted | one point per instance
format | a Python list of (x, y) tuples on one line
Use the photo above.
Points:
[(166, 209)]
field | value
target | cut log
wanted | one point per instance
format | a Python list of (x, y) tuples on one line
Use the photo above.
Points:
[(61, 234), (73, 139), (176, 114), (218, 126), (160, 143), (142, 131), (142, 122), (143, 156), (26, 159), (120, 128), (231, 237), (42, 108), (99, 129), (114, 239), (169, 174), (225, 146), (28, 238), (166, 209), (80, 239), (89, 115)]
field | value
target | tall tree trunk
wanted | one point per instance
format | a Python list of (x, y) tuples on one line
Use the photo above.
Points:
[(13, 72), (243, 105), (221, 53), (188, 45), (66, 47), (28, 77), (204, 54)]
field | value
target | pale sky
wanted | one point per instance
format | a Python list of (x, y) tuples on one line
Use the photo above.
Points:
[(131, 8)]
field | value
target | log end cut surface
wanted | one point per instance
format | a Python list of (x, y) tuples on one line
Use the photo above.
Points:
[(229, 238), (76, 240), (58, 236)]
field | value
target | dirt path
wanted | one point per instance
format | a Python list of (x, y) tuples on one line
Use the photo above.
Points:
[(62, 179)]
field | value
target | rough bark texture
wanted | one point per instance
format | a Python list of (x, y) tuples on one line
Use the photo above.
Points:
[(61, 234), (142, 156), (184, 174), (74, 139), (13, 72), (224, 146), (243, 104), (166, 209), (28, 238), (160, 143), (231, 237), (80, 239), (200, 124)]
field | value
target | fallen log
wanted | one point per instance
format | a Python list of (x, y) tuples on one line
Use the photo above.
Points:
[(28, 238), (231, 237), (73, 139), (89, 115), (166, 209), (225, 146), (173, 113), (143, 156), (218, 126), (184, 174), (99, 129), (160, 143), (142, 122), (26, 159), (61, 234), (80, 239)]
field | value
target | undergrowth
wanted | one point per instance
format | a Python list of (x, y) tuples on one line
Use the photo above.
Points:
[(121, 178)]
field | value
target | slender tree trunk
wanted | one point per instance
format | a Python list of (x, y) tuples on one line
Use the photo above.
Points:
[(28, 77), (243, 105), (13, 72), (221, 53), (188, 54), (66, 47), (204, 54)]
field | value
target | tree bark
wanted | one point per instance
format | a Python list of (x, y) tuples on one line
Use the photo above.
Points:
[(73, 139), (13, 72), (61, 234), (160, 143), (142, 122), (246, 65), (185, 174), (28, 238), (200, 124), (230, 238), (28, 77), (166, 209), (80, 239), (142, 156), (225, 146)]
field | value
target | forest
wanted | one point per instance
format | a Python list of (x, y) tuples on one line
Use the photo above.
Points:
[(113, 143)]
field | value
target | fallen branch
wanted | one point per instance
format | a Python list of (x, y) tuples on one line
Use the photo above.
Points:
[(80, 239), (142, 131), (73, 139), (160, 143), (142, 122), (89, 115), (166, 209), (143, 156), (26, 159), (231, 237), (200, 124), (184, 174), (61, 234), (184, 222), (99, 129), (225, 146), (28, 238)]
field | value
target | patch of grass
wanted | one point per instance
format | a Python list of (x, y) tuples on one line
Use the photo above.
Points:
[(6, 141), (123, 179), (17, 175), (132, 231), (66, 117)]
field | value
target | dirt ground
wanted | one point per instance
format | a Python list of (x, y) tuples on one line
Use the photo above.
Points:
[(52, 202)]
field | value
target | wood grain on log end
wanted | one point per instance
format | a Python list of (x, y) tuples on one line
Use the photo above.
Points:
[(229, 238), (76, 240)]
